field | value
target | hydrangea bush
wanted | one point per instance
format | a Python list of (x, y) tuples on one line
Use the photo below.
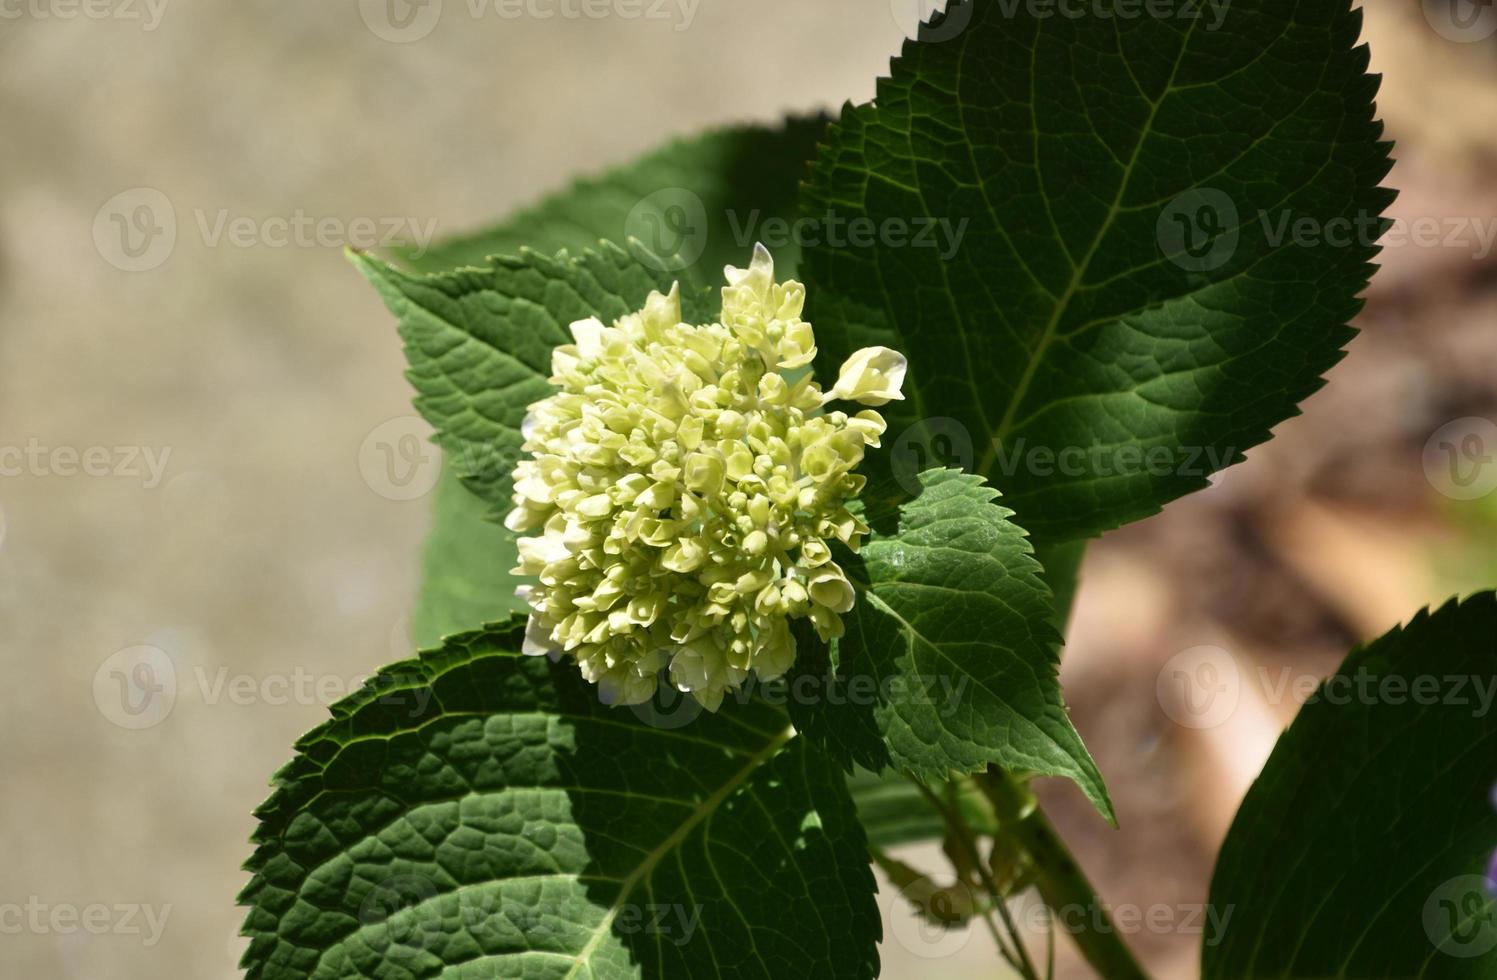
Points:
[(721, 608)]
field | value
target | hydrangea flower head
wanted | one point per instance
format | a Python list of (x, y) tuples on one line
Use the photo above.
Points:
[(687, 491)]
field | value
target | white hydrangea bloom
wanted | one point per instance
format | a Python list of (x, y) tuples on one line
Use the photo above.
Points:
[(685, 491)]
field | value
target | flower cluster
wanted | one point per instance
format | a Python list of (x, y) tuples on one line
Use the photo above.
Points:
[(687, 483)]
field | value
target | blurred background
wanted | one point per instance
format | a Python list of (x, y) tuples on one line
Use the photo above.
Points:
[(195, 406)]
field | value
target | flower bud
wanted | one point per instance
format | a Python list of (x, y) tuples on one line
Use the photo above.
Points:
[(872, 376)]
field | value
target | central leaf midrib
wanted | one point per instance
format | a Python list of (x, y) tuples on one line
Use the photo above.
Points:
[(1078, 274), (703, 810)]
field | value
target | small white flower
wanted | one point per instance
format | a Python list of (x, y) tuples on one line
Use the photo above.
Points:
[(537, 642), (589, 336), (829, 587), (872, 376)]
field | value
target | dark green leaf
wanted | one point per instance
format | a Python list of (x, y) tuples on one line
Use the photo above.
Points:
[(949, 660), (699, 198), (1069, 338), (465, 575), (1360, 850), (475, 813), (893, 811)]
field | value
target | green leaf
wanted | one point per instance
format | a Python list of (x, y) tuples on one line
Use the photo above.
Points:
[(704, 195), (475, 813), (479, 343), (465, 566), (949, 659), (1062, 565), (1069, 339), (1360, 850)]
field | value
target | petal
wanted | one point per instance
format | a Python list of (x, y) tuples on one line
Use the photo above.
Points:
[(829, 587), (589, 336), (758, 276), (538, 642)]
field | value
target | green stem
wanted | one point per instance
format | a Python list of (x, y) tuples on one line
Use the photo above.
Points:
[(957, 827), (1060, 880)]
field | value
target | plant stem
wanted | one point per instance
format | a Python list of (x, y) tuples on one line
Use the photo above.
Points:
[(1060, 880), (1018, 958)]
